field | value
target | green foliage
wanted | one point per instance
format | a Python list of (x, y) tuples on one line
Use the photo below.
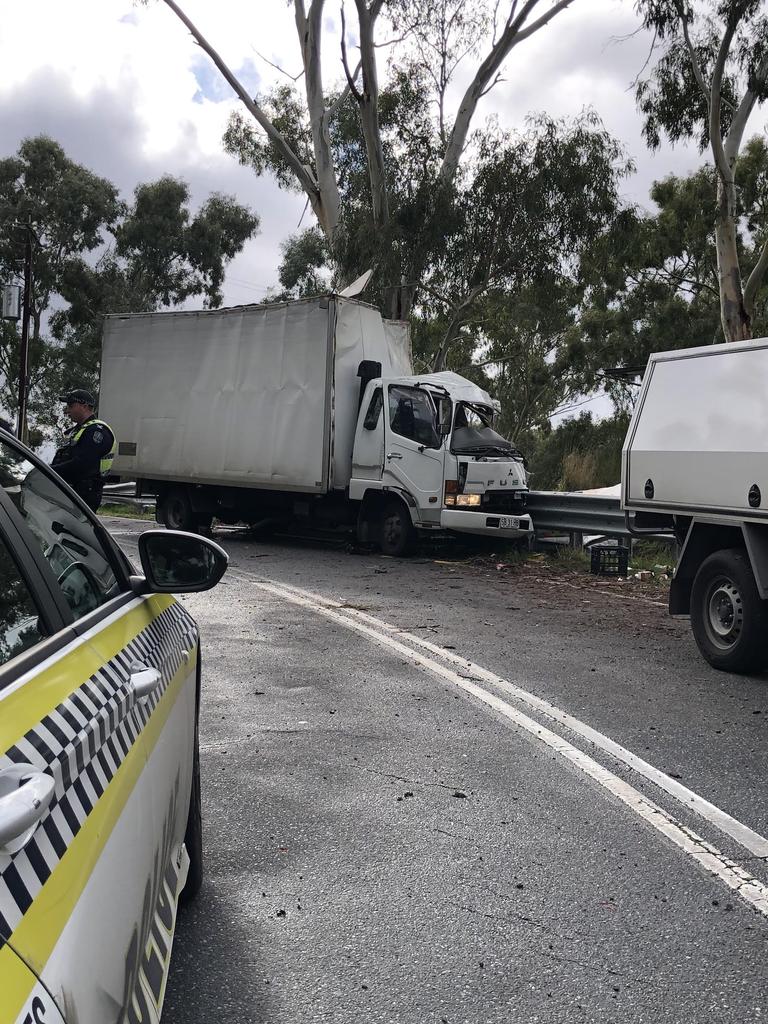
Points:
[(172, 257), (243, 140), (671, 99), (579, 454), (653, 280), (94, 254), (305, 257)]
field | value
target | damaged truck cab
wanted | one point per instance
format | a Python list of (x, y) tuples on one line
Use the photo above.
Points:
[(426, 458)]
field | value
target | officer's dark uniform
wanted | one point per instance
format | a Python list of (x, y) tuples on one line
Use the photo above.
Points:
[(86, 456)]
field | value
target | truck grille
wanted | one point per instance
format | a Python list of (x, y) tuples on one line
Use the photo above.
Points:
[(504, 501)]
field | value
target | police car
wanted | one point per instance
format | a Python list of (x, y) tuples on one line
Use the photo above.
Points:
[(100, 823)]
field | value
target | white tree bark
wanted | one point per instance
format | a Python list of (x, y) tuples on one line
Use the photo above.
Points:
[(309, 29), (304, 175), (515, 31), (368, 101), (736, 302)]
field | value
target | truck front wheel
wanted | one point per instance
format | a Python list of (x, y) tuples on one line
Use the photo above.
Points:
[(175, 510), (728, 617), (397, 533)]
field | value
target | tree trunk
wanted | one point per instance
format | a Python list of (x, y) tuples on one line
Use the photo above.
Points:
[(368, 101), (515, 32), (737, 324), (309, 29)]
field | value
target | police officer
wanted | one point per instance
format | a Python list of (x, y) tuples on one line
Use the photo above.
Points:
[(86, 456)]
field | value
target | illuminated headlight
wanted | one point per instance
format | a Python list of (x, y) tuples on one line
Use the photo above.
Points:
[(467, 499)]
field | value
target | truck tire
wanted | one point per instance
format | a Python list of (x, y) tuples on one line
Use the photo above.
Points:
[(728, 617), (176, 510), (397, 534)]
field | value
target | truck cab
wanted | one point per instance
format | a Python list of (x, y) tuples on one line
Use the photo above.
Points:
[(426, 458)]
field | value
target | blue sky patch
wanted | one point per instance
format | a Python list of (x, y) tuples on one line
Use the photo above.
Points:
[(211, 85)]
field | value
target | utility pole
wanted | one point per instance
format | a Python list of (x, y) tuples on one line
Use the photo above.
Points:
[(21, 428)]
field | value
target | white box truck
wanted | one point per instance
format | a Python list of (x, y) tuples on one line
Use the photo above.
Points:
[(695, 461), (309, 412)]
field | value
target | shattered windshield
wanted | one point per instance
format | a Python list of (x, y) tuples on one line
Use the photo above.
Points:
[(473, 431)]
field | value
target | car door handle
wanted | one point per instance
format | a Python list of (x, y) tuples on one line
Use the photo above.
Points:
[(394, 455), (28, 792), (144, 680)]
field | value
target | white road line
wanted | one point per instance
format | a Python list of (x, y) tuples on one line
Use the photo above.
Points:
[(708, 856), (756, 844)]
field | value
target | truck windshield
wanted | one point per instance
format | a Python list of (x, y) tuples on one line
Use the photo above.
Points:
[(473, 431)]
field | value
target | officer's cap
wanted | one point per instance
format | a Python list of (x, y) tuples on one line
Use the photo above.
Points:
[(78, 395)]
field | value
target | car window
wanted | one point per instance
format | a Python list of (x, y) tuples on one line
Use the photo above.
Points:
[(412, 415), (64, 532), (18, 615)]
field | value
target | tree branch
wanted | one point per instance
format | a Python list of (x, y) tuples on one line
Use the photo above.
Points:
[(755, 280), (369, 112), (455, 324), (715, 125), (351, 88), (514, 33), (697, 72), (293, 78), (309, 28), (341, 99), (281, 145), (743, 111)]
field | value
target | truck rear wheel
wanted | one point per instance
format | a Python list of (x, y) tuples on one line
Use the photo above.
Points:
[(176, 511), (728, 617), (397, 534)]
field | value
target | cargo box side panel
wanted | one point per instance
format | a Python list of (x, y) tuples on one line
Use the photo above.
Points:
[(236, 397), (701, 436), (360, 334)]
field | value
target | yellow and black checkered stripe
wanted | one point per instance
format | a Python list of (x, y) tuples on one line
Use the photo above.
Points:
[(86, 741)]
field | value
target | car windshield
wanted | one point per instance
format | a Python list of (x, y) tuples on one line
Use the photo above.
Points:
[(63, 531), (473, 431)]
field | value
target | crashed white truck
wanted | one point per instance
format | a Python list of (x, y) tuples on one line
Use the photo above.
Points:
[(695, 461), (304, 413)]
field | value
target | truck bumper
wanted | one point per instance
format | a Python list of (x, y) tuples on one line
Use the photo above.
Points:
[(488, 523)]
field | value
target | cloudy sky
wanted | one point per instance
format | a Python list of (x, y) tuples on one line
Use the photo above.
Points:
[(126, 92)]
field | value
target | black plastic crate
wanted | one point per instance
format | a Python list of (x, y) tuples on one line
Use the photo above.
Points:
[(609, 561)]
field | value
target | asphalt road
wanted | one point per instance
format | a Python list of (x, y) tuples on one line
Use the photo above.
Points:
[(394, 835)]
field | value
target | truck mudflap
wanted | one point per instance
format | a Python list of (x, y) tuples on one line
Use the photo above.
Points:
[(488, 523)]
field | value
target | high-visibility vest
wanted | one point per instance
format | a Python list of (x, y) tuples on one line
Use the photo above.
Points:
[(105, 463)]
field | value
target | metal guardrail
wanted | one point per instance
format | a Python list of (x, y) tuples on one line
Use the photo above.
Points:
[(124, 494), (577, 514), (560, 512)]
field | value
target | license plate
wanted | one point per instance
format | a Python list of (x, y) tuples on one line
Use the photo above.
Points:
[(509, 523)]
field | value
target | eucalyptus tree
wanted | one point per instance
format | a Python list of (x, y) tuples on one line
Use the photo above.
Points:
[(93, 253), (292, 134), (711, 77)]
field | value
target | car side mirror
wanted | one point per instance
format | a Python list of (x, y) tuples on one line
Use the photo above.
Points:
[(179, 563)]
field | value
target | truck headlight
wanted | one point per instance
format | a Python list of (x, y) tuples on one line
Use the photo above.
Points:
[(467, 500)]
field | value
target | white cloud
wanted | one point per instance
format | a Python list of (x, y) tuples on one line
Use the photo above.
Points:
[(126, 91)]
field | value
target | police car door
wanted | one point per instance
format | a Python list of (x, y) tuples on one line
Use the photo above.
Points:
[(74, 881)]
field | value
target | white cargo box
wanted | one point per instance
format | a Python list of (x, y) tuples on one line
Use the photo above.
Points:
[(254, 396), (698, 440)]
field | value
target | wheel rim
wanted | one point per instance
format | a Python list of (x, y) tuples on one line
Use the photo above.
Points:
[(393, 530), (174, 514), (724, 617)]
